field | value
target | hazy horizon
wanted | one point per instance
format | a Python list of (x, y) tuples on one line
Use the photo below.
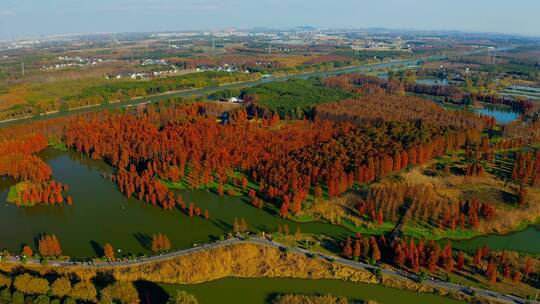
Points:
[(32, 18)]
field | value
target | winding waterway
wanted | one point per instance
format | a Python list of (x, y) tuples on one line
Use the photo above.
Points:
[(101, 214)]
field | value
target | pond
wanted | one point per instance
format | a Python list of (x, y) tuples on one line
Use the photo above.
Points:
[(260, 291), (101, 214), (501, 115)]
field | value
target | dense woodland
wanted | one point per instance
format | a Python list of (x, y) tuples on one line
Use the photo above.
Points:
[(288, 159), (18, 159), (341, 146), (288, 154)]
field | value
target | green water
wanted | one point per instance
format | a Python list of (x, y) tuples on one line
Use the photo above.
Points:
[(260, 291), (101, 214), (527, 240)]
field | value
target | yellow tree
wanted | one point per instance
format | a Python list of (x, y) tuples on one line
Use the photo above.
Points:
[(108, 251)]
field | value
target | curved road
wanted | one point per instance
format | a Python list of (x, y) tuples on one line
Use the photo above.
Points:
[(492, 295)]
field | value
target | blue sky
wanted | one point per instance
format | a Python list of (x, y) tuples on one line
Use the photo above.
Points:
[(23, 18)]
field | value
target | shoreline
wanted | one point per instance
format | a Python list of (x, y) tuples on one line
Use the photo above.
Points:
[(339, 268)]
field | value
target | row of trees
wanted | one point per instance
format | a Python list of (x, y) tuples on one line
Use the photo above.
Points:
[(422, 204), (474, 169), (28, 288), (494, 263), (49, 246), (363, 248), (415, 255), (240, 226), (160, 243), (526, 168)]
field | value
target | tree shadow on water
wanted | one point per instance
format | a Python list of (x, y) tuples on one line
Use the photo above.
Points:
[(151, 293), (36, 239), (97, 248), (272, 297), (331, 244), (221, 224), (144, 239)]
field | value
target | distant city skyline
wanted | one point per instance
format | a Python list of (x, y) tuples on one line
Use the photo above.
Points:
[(34, 18)]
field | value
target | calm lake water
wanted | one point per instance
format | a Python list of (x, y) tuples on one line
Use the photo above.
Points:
[(501, 115), (101, 214), (260, 291)]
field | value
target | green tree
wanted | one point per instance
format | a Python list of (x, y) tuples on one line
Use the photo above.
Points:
[(183, 297), (43, 299), (18, 298), (70, 301), (61, 287), (5, 296)]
